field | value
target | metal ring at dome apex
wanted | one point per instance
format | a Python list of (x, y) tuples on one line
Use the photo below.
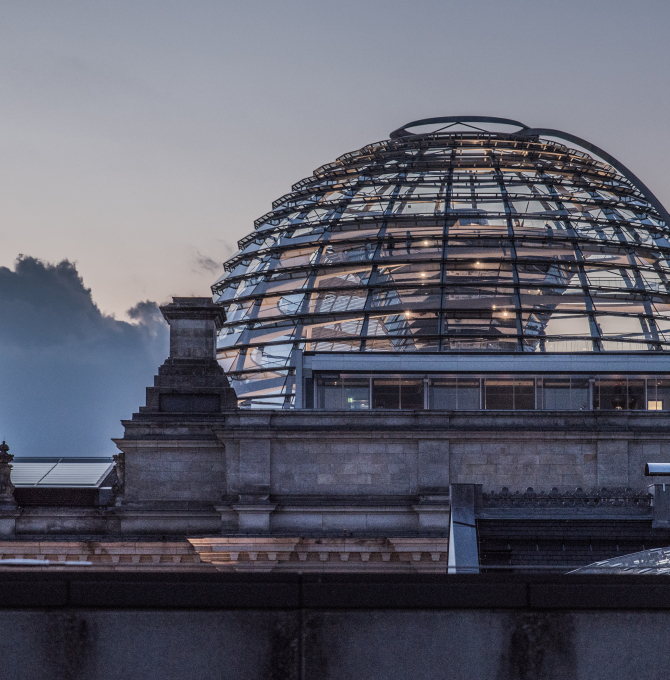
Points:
[(403, 132), (542, 132)]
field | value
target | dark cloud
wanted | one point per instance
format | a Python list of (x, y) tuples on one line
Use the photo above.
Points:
[(146, 312), (68, 372), (206, 263)]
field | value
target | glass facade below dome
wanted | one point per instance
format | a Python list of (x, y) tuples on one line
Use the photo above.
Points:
[(446, 242), (503, 392)]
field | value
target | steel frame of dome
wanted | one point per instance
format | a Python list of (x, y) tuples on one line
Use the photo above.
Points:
[(449, 241)]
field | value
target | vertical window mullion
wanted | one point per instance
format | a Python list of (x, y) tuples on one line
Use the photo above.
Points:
[(592, 393), (646, 396)]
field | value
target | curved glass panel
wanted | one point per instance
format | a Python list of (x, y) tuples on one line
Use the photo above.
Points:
[(446, 242)]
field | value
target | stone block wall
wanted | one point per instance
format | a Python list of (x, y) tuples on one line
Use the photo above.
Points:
[(176, 471), (520, 460), (343, 466), (368, 473), (319, 454)]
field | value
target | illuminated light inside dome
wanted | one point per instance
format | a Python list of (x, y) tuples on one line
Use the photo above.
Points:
[(414, 243)]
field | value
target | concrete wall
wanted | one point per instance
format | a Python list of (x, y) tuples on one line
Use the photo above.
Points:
[(461, 628)]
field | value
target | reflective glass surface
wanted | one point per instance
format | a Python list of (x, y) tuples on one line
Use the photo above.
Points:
[(490, 392), (448, 242)]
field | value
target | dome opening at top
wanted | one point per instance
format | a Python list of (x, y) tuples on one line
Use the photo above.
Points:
[(457, 240)]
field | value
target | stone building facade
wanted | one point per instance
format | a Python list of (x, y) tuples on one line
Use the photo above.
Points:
[(304, 490)]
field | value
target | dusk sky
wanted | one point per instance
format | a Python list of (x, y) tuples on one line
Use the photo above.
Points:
[(141, 139)]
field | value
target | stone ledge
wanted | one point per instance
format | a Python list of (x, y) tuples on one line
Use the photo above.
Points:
[(264, 554), (106, 554)]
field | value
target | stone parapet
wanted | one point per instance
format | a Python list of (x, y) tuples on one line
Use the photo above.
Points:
[(65, 521), (608, 423)]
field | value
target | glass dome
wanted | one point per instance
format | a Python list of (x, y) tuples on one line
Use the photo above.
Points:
[(453, 240)]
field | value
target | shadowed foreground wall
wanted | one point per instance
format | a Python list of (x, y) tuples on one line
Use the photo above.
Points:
[(92, 626)]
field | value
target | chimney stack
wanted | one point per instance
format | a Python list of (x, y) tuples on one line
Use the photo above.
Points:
[(191, 380)]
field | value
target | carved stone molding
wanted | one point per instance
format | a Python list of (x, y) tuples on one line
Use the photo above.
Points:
[(596, 498), (324, 554)]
